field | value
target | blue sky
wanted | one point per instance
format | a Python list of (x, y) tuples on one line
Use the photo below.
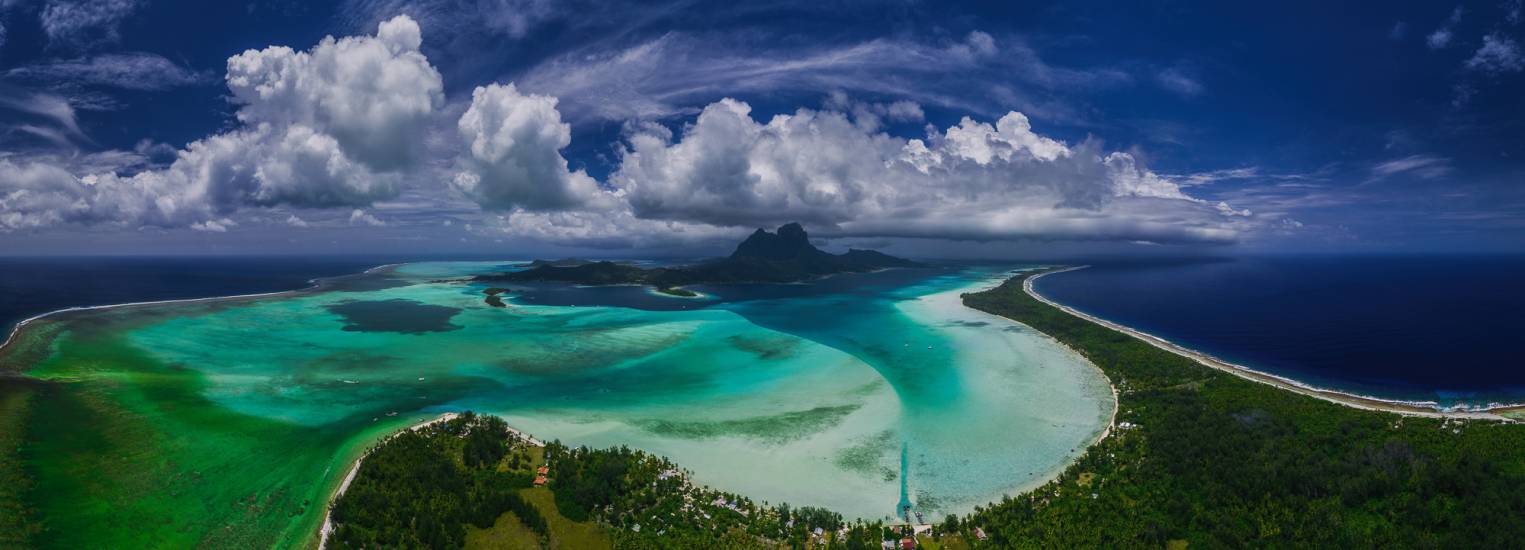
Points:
[(532, 127)]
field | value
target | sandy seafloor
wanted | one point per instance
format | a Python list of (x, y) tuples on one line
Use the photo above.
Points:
[(797, 393)]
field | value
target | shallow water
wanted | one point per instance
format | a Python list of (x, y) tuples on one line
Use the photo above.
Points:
[(798, 393)]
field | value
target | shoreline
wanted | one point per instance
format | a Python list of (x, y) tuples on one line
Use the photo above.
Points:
[(1407, 408), (1106, 430), (327, 527)]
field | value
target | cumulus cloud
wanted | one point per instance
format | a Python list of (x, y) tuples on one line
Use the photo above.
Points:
[(372, 94), (334, 126), (214, 226), (345, 125), (514, 159), (872, 115), (131, 71), (973, 180), (1498, 54), (361, 217)]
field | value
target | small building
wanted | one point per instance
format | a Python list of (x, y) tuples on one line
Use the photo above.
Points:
[(544, 470), (907, 543), (539, 480), (979, 533)]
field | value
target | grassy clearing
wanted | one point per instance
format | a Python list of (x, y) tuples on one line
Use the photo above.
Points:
[(565, 533), (508, 533)]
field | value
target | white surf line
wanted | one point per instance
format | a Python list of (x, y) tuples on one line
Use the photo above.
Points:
[(311, 284), (1370, 403), (24, 322), (328, 514)]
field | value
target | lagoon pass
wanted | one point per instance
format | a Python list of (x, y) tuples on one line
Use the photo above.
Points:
[(231, 421)]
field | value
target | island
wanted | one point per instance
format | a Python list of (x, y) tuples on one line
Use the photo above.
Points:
[(782, 257), (1201, 457), (493, 296)]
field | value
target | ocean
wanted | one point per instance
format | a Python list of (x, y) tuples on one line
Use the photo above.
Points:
[(1445, 329)]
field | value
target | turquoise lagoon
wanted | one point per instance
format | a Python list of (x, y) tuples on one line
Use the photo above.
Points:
[(803, 393)]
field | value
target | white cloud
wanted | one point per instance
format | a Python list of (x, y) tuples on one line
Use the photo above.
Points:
[(338, 125), (361, 217), (84, 23), (51, 108), (214, 226), (1442, 36), (871, 115), (1439, 39), (344, 125), (969, 181), (1424, 166), (616, 228), (1498, 54), (666, 76), (514, 159), (132, 71), (1177, 81), (372, 94), (513, 18)]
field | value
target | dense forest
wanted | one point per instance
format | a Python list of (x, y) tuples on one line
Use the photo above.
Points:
[(432, 486), (420, 488), (1211, 460)]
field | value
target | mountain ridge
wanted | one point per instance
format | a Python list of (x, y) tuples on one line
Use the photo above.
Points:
[(783, 256)]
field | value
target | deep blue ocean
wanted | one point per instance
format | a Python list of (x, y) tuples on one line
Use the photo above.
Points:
[(1449, 329), (30, 286)]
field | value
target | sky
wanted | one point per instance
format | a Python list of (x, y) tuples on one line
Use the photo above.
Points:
[(936, 129)]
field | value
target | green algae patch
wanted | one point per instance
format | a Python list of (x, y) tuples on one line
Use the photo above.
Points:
[(767, 348), (18, 521), (124, 451), (779, 428), (127, 453), (868, 455)]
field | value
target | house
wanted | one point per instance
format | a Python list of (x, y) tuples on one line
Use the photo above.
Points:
[(540, 480), (979, 533), (907, 543), (544, 470)]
